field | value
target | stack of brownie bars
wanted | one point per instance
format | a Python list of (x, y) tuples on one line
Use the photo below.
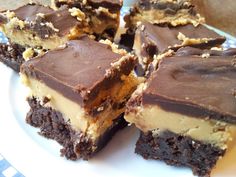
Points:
[(177, 85)]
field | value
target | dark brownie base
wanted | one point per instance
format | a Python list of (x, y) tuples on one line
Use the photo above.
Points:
[(179, 150), (75, 144), (11, 55)]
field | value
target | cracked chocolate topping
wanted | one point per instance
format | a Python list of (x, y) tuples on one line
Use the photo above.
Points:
[(187, 51), (80, 69), (195, 86)]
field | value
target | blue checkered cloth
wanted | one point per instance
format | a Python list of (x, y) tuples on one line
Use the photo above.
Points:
[(7, 170), (3, 39)]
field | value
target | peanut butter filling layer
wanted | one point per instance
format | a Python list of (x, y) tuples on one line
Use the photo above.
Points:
[(154, 118), (159, 17), (76, 115), (27, 38)]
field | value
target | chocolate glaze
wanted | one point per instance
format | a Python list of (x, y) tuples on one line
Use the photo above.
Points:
[(80, 70), (112, 5), (170, 8), (195, 86), (187, 51), (166, 37), (61, 19)]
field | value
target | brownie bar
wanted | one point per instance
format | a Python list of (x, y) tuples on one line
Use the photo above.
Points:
[(179, 150), (192, 97), (152, 40), (53, 126), (89, 88), (172, 13), (11, 55), (35, 25), (159, 12), (100, 17)]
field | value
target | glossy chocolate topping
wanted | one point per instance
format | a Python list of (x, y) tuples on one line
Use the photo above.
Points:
[(28, 12), (187, 51), (164, 38), (80, 69), (111, 4), (195, 86), (169, 7), (60, 19)]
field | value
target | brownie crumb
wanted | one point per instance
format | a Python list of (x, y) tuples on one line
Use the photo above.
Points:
[(75, 144), (11, 55), (179, 150)]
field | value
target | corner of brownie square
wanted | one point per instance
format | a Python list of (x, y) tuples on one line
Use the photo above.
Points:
[(80, 91), (186, 110)]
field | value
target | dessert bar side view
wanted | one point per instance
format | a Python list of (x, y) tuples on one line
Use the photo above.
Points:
[(168, 76), (186, 109), (76, 98), (100, 18), (160, 12)]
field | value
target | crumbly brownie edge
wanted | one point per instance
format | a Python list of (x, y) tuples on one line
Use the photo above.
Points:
[(75, 144), (11, 55), (179, 150)]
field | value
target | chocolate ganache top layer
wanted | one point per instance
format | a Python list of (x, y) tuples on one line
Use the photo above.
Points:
[(187, 51), (195, 86), (167, 37), (170, 7), (38, 16), (111, 4), (80, 69)]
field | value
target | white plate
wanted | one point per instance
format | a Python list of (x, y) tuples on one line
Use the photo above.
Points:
[(35, 156)]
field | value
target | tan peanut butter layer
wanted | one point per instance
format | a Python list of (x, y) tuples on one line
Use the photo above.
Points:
[(173, 13), (75, 114), (154, 118), (189, 95)]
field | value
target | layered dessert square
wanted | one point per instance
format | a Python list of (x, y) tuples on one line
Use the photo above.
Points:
[(170, 12), (159, 12), (186, 111), (98, 17), (78, 94), (153, 40), (32, 29)]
